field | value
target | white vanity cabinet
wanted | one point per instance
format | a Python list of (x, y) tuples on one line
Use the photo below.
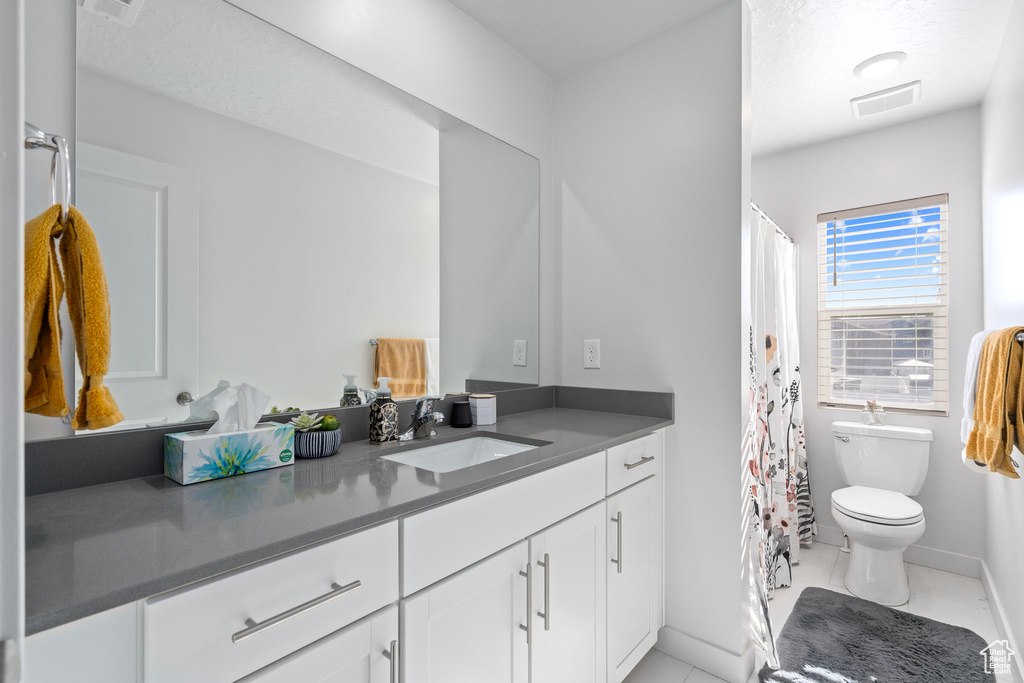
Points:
[(365, 652), (533, 612), (634, 558), (227, 628), (552, 578), (567, 640), (467, 627)]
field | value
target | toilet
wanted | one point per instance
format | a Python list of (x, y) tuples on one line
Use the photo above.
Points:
[(882, 466)]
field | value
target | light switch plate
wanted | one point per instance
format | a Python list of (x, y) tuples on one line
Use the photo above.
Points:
[(519, 352), (591, 354)]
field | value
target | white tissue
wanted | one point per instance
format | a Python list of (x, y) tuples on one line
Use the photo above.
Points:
[(239, 408), (201, 409)]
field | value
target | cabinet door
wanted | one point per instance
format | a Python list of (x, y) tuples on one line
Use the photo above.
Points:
[(467, 628), (634, 575), (360, 653), (568, 644)]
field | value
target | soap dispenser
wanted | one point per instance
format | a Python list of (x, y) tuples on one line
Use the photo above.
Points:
[(350, 397), (383, 415)]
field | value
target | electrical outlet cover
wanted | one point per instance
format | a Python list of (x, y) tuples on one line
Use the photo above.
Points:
[(591, 354), (519, 352)]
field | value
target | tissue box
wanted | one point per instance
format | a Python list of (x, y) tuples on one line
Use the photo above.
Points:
[(198, 456)]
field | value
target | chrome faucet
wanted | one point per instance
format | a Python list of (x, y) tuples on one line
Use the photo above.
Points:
[(423, 420)]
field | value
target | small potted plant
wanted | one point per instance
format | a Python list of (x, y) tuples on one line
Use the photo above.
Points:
[(316, 437)]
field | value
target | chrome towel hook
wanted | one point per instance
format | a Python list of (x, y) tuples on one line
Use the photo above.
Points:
[(35, 138)]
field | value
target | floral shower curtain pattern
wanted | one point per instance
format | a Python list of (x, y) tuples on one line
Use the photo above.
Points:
[(782, 514)]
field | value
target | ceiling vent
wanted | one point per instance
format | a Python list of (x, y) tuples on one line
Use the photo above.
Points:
[(123, 12), (886, 100)]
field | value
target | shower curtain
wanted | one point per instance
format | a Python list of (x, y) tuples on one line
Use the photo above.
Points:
[(781, 512)]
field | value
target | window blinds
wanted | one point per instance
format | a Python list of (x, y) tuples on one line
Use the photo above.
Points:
[(882, 306)]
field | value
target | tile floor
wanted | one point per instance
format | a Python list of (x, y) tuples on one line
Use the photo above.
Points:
[(934, 594)]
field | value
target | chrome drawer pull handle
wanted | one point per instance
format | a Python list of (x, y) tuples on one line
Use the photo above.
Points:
[(391, 654), (844, 439), (617, 561), (641, 461), (529, 602), (252, 627), (546, 614)]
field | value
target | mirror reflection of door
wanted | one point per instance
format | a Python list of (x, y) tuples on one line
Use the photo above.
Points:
[(145, 214)]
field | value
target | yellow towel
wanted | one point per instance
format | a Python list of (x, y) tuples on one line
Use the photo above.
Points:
[(998, 423), (44, 288), (89, 308), (405, 362)]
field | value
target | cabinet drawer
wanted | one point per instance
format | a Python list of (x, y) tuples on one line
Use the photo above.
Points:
[(354, 654), (441, 541), (206, 633), (630, 462)]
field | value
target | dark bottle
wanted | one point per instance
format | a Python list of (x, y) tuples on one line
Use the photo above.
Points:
[(383, 415)]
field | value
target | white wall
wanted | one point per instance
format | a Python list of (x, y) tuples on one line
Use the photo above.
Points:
[(1003, 191), (651, 173), (432, 50), (290, 238), (939, 154), (489, 240)]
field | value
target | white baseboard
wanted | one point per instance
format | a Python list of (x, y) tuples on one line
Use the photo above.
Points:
[(943, 560), (729, 666), (998, 614), (830, 535)]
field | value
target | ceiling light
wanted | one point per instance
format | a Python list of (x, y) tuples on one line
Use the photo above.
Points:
[(880, 65)]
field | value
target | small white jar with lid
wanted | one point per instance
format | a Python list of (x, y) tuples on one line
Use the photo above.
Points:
[(484, 408)]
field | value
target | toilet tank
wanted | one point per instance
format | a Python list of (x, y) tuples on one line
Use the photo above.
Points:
[(882, 457)]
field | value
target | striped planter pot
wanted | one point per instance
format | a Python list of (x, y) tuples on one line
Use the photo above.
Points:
[(317, 444)]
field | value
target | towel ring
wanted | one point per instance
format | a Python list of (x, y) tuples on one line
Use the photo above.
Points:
[(37, 139)]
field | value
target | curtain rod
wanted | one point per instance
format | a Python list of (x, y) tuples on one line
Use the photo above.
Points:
[(768, 218)]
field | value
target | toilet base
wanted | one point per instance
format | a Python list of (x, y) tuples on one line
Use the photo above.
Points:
[(877, 575)]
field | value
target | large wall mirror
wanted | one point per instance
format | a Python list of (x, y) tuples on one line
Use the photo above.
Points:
[(265, 210)]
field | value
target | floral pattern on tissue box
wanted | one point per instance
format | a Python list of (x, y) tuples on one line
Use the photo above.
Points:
[(191, 457)]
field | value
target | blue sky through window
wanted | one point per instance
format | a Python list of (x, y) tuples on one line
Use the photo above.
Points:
[(887, 259)]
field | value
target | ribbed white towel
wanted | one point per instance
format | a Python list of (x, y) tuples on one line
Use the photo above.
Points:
[(433, 366), (971, 383)]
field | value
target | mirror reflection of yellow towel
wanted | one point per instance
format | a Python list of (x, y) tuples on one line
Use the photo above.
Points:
[(88, 307), (44, 289), (405, 362)]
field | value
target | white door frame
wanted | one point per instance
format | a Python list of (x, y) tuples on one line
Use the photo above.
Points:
[(12, 288)]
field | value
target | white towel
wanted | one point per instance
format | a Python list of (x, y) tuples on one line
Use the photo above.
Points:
[(434, 366), (971, 383)]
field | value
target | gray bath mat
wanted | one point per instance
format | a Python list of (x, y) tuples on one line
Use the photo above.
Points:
[(836, 638)]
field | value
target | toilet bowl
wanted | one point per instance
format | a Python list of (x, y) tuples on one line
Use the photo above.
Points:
[(880, 525), (883, 466)]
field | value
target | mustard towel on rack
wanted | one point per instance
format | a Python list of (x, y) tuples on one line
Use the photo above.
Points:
[(405, 362), (44, 288), (89, 308), (998, 416)]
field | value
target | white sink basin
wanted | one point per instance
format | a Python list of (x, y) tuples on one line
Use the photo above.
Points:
[(448, 457)]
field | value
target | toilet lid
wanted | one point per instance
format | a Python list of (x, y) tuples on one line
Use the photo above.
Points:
[(877, 505)]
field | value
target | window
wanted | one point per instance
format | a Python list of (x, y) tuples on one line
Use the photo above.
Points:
[(882, 306)]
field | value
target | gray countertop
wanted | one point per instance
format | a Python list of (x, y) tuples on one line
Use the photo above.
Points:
[(94, 548)]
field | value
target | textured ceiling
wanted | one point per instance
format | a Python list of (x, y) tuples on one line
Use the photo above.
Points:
[(804, 52), (561, 36), (215, 56)]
